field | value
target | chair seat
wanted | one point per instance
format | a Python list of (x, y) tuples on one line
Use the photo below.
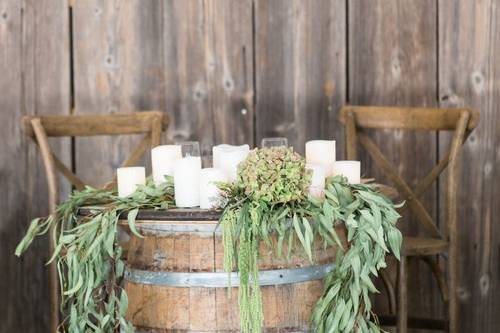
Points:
[(419, 246)]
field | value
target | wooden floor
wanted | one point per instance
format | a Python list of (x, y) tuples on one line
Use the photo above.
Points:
[(238, 71)]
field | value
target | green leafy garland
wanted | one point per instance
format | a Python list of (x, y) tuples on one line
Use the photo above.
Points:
[(89, 258), (269, 199), (370, 220)]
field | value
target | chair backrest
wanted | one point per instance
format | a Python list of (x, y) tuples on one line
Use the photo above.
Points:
[(149, 123), (461, 121)]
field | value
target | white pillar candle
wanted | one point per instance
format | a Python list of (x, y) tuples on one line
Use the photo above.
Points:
[(317, 187), (129, 178), (227, 158), (349, 169), (321, 152), (187, 181), (162, 161), (216, 154), (209, 192), (219, 149)]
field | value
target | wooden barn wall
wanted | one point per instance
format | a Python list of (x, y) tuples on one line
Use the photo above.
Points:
[(238, 71)]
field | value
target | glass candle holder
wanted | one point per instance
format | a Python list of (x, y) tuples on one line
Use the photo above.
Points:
[(274, 142), (190, 148)]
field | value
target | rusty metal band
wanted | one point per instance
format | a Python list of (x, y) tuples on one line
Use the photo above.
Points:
[(221, 279)]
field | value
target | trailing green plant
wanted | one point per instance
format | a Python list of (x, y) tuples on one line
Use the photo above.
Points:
[(269, 199), (370, 220), (268, 203), (88, 256), (271, 187)]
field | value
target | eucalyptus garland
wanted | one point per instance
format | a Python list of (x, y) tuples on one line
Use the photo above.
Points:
[(268, 202), (89, 258), (370, 220), (269, 199)]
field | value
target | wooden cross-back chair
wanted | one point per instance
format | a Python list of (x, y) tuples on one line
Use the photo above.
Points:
[(40, 128), (461, 121)]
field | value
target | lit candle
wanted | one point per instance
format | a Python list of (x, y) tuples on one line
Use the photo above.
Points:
[(129, 178), (317, 187), (349, 169), (209, 192), (321, 152), (187, 181), (227, 158), (162, 161)]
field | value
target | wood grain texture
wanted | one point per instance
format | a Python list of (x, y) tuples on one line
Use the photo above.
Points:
[(300, 61), (34, 79), (165, 309), (98, 124), (195, 60), (117, 68), (469, 75), (392, 53), (208, 62), (384, 117)]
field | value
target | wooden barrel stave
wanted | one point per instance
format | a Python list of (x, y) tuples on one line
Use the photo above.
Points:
[(161, 308)]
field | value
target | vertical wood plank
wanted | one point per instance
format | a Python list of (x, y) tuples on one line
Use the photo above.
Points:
[(469, 75), (392, 61), (117, 68), (300, 69), (208, 71), (34, 79)]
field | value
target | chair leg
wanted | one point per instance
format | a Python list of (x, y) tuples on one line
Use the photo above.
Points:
[(402, 314), (389, 288), (453, 300)]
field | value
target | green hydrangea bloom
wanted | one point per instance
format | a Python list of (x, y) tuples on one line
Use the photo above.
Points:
[(273, 175)]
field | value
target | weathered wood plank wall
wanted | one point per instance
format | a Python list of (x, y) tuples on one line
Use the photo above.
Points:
[(469, 74), (238, 71), (34, 79), (392, 61)]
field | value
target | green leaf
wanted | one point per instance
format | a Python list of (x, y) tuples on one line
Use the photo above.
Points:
[(123, 302), (76, 287), (132, 215)]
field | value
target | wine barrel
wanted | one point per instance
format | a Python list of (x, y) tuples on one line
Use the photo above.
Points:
[(176, 283)]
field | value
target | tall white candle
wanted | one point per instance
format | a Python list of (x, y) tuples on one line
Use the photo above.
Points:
[(187, 181), (129, 178), (227, 158), (162, 161), (209, 192), (321, 152), (349, 169), (317, 187)]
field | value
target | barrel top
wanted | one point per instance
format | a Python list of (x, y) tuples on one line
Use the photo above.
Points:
[(174, 214)]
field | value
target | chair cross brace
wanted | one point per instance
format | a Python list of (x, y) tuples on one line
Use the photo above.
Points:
[(412, 196)]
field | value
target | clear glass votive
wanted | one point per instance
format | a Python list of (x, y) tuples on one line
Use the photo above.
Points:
[(190, 148), (274, 142)]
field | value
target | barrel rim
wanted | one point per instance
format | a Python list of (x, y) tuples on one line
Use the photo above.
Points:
[(172, 214)]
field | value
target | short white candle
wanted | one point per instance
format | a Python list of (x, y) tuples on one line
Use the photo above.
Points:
[(321, 152), (227, 158), (209, 192), (129, 178), (187, 181), (349, 169), (162, 161), (317, 187)]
